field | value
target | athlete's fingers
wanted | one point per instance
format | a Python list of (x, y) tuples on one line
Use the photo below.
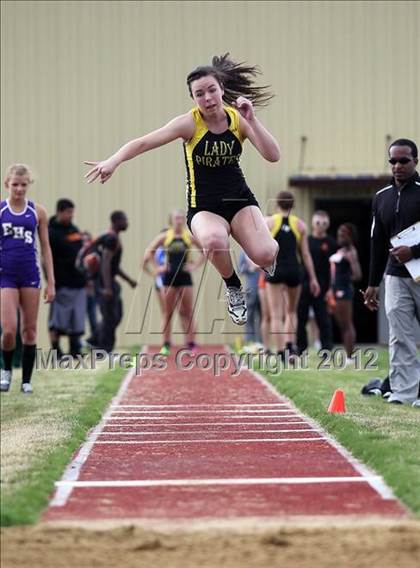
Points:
[(90, 172), (94, 177)]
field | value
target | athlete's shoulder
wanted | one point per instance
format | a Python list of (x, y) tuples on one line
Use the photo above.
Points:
[(384, 189), (40, 211), (169, 236), (186, 237)]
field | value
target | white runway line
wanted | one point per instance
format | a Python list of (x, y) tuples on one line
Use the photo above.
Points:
[(169, 417), (206, 441), (160, 433), (300, 421), (186, 406), (72, 471), (179, 412), (217, 481)]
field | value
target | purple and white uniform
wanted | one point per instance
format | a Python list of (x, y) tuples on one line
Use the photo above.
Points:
[(19, 266)]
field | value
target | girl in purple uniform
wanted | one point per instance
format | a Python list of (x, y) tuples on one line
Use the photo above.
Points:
[(20, 278)]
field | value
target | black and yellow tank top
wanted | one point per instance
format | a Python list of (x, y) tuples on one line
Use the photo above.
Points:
[(285, 231), (214, 176), (176, 248)]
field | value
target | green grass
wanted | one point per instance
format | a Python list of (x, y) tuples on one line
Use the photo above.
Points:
[(385, 437), (40, 433)]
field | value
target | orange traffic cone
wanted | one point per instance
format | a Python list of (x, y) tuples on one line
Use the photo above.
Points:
[(337, 404)]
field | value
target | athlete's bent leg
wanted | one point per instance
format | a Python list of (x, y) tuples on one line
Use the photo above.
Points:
[(250, 230), (212, 232)]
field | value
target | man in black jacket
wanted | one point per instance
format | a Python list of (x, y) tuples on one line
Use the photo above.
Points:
[(68, 311), (395, 208)]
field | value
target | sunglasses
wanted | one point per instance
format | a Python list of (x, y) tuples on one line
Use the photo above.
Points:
[(402, 161)]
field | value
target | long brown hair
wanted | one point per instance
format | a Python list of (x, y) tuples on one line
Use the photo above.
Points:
[(237, 79)]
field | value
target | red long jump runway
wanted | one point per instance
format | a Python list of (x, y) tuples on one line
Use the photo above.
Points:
[(186, 444)]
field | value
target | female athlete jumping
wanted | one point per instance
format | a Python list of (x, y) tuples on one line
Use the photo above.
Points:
[(220, 203)]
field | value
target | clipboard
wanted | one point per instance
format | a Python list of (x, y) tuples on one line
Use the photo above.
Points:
[(408, 238)]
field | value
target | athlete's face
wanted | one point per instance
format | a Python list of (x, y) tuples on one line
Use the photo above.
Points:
[(17, 186), (177, 220), (343, 236), (320, 224), (207, 94)]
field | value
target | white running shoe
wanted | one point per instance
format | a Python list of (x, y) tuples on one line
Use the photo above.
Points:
[(5, 380), (416, 403), (26, 388), (237, 305)]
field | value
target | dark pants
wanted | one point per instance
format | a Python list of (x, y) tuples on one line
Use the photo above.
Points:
[(252, 326), (111, 312), (322, 319)]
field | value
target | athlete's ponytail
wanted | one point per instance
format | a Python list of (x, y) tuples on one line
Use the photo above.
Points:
[(237, 79)]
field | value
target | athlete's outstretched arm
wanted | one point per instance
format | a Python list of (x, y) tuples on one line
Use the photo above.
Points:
[(49, 293), (179, 127), (258, 135)]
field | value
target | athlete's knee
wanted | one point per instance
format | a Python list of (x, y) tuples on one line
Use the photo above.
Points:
[(8, 338), (29, 335), (266, 256), (214, 243)]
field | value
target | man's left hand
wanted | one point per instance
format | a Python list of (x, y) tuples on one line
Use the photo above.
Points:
[(401, 254)]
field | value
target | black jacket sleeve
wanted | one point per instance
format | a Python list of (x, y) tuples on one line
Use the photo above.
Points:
[(379, 245)]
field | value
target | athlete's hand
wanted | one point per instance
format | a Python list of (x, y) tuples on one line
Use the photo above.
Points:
[(371, 298), (245, 108), (160, 270), (314, 287), (104, 170), (107, 293), (49, 294)]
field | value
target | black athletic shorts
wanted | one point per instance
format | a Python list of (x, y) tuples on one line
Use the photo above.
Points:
[(291, 276), (177, 279), (344, 292), (227, 211)]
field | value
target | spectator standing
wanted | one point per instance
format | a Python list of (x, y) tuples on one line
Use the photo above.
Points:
[(395, 208), (68, 310), (321, 247), (345, 269)]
